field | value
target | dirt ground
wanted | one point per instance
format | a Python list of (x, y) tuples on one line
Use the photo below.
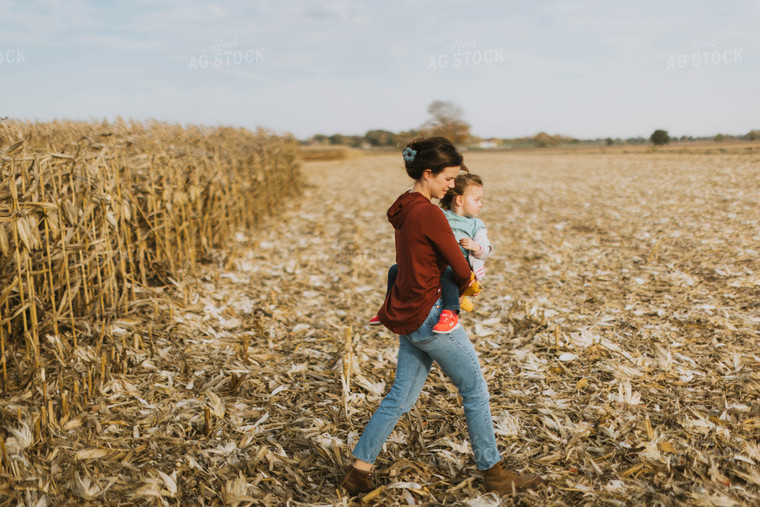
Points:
[(617, 332)]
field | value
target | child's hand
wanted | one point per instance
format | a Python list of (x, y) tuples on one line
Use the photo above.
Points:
[(469, 244)]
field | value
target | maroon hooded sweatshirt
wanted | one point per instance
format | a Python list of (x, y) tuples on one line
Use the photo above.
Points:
[(425, 246)]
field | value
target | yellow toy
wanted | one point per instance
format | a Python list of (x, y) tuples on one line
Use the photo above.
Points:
[(472, 290)]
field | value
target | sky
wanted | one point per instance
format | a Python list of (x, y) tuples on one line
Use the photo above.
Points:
[(584, 68)]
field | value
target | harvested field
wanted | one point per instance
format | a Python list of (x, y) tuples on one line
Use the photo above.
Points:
[(313, 154), (617, 330)]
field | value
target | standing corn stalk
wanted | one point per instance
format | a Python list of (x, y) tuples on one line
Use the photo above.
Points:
[(95, 216)]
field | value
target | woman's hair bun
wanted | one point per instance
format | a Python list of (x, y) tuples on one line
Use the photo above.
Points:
[(435, 153)]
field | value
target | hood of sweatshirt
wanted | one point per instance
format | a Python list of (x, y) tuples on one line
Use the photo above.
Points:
[(403, 206)]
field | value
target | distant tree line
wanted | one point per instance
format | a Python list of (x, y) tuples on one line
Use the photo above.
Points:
[(660, 137), (752, 135), (386, 139), (447, 119), (372, 139)]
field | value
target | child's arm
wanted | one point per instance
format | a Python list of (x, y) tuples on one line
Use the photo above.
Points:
[(480, 246)]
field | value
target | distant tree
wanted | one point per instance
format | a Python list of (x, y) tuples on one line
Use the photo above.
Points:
[(320, 138), (720, 138), (380, 138), (542, 140), (659, 137), (753, 135), (337, 139), (448, 121), (402, 138), (609, 141)]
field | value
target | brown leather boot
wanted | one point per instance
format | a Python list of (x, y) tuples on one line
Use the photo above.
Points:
[(499, 479), (357, 481)]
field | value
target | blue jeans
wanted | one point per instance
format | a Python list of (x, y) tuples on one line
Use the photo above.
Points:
[(457, 358), (449, 288)]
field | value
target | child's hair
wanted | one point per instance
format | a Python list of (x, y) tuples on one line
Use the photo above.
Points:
[(435, 153), (460, 185)]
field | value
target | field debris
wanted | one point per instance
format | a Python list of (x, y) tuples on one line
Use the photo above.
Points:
[(617, 332)]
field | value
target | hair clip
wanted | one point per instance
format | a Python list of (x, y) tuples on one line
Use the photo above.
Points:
[(409, 154)]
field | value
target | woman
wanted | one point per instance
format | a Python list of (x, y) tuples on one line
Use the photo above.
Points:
[(425, 246)]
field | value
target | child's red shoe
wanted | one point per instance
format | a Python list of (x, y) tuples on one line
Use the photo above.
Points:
[(374, 321), (448, 322)]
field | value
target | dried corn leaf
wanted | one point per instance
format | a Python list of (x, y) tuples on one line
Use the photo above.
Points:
[(641, 269)]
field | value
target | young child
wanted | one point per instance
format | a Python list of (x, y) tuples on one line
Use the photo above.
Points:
[(461, 206)]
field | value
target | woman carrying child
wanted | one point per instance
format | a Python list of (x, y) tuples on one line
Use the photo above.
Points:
[(461, 206), (425, 246)]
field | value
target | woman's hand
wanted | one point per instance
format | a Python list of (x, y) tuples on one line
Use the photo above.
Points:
[(473, 289)]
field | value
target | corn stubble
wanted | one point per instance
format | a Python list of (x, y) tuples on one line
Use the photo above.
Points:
[(97, 222), (617, 331)]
